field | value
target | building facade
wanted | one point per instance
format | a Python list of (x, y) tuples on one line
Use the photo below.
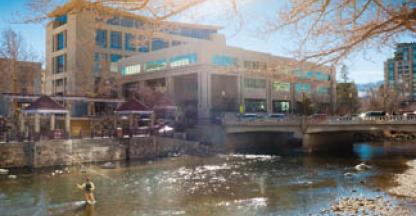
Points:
[(26, 78), (400, 73), (209, 76), (84, 42)]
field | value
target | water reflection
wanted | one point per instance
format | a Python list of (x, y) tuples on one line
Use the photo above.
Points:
[(367, 151), (232, 184)]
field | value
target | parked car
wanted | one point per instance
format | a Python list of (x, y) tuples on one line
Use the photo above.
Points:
[(249, 116), (277, 116), (410, 114), (318, 117), (371, 114)]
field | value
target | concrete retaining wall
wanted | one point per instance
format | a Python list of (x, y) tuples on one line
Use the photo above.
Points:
[(15, 155), (71, 152), (151, 147)]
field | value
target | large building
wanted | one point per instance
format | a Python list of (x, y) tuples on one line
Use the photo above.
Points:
[(209, 76), (400, 72), (84, 42), (24, 77)]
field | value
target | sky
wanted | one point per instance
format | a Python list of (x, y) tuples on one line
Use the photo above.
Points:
[(363, 68)]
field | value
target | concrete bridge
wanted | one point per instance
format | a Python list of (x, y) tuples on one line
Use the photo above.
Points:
[(321, 134)]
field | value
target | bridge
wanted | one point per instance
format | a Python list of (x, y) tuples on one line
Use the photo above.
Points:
[(316, 134)]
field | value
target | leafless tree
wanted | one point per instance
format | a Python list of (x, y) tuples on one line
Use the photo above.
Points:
[(330, 30), (14, 49)]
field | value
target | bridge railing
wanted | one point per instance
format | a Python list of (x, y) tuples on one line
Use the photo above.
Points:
[(370, 119), (236, 118)]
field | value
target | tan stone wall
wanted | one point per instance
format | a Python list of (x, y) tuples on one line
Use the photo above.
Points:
[(72, 152), (151, 147), (15, 155)]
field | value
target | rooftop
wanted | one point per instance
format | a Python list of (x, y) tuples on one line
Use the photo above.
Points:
[(45, 104), (74, 5)]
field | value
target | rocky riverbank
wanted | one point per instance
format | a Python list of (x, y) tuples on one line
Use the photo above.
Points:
[(365, 206), (406, 182)]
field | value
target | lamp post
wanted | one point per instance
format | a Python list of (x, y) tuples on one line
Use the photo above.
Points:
[(350, 99), (223, 95)]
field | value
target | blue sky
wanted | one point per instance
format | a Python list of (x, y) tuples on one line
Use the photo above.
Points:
[(363, 68)]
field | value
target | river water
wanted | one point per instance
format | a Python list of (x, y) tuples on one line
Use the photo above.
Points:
[(233, 184)]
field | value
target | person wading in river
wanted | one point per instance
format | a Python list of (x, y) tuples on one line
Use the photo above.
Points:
[(88, 187)]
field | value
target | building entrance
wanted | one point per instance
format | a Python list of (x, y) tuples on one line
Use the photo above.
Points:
[(281, 106)]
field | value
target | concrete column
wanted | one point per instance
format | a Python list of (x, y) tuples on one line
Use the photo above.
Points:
[(240, 81), (22, 123), (52, 122), (37, 123), (269, 96), (170, 87), (131, 121), (68, 123), (203, 88)]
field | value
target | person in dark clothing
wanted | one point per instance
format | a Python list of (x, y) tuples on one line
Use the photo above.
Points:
[(88, 187)]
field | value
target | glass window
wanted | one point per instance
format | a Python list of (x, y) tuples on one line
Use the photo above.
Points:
[(183, 60), (131, 69), (127, 22), (155, 65), (303, 87), (224, 60), (129, 42), (255, 105), (143, 44), (99, 61), (115, 40), (321, 76), (177, 43), (298, 73), (115, 58), (101, 38), (60, 64), (60, 20), (193, 33), (254, 83), (60, 41), (323, 90), (309, 74), (281, 86), (254, 65), (114, 21), (113, 65), (158, 44)]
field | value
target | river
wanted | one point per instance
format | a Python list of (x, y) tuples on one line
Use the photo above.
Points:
[(234, 184)]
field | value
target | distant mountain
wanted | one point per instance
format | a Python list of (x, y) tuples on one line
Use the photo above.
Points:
[(364, 87)]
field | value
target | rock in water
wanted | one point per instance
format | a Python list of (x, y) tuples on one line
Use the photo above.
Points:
[(12, 177), (348, 174), (108, 165), (362, 167), (4, 171)]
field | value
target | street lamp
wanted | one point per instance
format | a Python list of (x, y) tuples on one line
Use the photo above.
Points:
[(350, 98)]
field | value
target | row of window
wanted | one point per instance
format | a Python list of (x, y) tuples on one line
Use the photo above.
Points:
[(283, 86), (254, 65), (254, 83), (223, 60), (311, 74), (176, 61), (139, 24), (131, 42)]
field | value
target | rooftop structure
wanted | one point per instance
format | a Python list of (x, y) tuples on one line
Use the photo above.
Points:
[(27, 78), (400, 72), (205, 77), (85, 41)]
